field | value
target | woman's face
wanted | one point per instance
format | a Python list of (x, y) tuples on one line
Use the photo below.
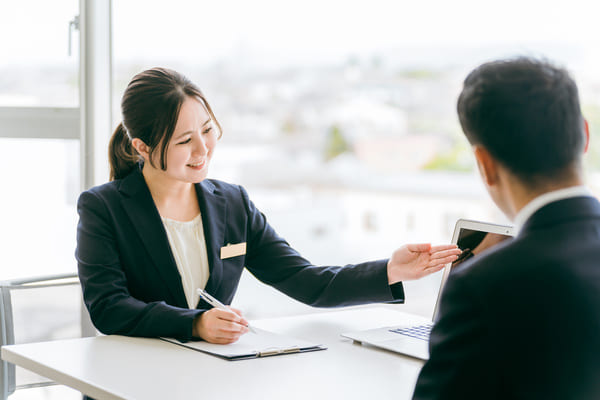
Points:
[(191, 147)]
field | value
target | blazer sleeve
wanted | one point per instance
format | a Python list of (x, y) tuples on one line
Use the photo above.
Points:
[(105, 290), (273, 261), (457, 367)]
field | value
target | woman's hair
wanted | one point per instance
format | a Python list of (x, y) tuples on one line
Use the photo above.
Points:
[(150, 109)]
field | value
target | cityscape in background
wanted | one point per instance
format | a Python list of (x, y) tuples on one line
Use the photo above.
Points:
[(347, 160), (365, 151)]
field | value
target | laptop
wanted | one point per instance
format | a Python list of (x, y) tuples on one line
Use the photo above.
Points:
[(412, 338)]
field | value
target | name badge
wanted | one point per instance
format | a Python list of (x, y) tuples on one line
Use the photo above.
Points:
[(233, 250)]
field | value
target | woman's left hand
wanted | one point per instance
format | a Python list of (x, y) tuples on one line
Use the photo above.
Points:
[(414, 261)]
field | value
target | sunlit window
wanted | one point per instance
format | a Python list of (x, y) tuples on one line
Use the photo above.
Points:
[(339, 116), (39, 130), (36, 69)]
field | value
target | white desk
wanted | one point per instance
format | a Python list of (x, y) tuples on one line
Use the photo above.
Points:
[(119, 367)]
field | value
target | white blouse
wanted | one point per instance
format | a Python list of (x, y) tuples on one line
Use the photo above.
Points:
[(189, 249)]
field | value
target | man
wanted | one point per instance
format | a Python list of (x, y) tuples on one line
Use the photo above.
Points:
[(522, 321)]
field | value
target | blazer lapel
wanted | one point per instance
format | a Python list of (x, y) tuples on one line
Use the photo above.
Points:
[(213, 206), (137, 202)]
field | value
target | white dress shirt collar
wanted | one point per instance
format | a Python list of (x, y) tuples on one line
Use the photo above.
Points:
[(547, 198)]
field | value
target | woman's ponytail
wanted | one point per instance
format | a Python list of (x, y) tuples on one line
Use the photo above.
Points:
[(122, 157)]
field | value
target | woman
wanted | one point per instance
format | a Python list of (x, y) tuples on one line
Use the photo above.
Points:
[(159, 230)]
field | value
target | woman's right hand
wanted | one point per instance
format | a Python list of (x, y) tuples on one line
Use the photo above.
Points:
[(220, 326)]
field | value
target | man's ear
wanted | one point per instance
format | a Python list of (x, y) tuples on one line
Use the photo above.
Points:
[(586, 130), (141, 148), (488, 167)]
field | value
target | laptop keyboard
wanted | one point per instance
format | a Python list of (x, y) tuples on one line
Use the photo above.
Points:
[(420, 331)]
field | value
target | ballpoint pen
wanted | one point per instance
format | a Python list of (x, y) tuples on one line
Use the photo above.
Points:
[(216, 304)]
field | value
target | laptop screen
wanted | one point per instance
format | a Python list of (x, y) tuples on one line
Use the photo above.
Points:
[(472, 237), (473, 242)]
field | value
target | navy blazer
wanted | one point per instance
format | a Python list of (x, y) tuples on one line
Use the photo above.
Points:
[(131, 284), (523, 321)]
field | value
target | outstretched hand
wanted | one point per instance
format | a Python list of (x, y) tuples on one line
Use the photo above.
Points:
[(414, 261)]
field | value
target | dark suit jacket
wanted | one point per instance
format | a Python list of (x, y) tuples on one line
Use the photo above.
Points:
[(523, 321), (130, 281)]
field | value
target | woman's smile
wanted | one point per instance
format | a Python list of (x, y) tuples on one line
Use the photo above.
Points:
[(198, 165)]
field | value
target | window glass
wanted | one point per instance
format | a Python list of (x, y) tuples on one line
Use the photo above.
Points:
[(339, 116), (35, 68), (40, 177), (40, 184)]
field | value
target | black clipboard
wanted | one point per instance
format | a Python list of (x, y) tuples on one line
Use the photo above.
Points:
[(256, 344)]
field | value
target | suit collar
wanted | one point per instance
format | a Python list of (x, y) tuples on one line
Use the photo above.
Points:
[(213, 206), (143, 214), (133, 183), (139, 205), (562, 211), (547, 198)]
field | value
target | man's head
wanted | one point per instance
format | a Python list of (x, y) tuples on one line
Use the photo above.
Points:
[(524, 115)]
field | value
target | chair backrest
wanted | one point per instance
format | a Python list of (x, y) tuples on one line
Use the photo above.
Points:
[(34, 310)]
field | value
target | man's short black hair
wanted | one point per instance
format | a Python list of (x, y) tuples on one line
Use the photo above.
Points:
[(526, 113)]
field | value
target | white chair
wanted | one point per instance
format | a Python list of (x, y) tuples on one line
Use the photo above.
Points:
[(39, 309)]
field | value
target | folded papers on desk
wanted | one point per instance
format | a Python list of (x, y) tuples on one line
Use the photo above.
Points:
[(252, 345)]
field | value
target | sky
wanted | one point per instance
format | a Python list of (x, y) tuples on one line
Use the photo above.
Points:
[(301, 31), (317, 29)]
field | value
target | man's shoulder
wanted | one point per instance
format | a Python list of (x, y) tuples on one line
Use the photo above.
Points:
[(532, 254), (500, 263)]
